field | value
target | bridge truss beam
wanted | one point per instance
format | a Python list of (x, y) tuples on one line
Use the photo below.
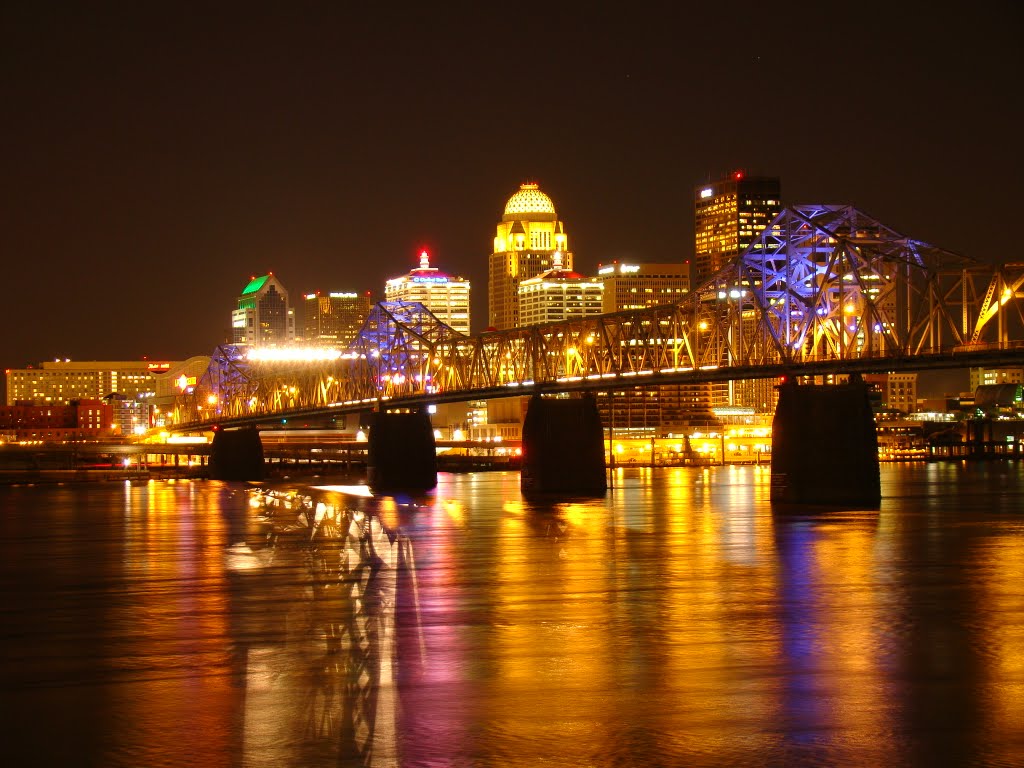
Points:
[(822, 283)]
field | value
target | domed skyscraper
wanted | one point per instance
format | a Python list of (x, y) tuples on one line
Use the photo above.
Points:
[(527, 238)]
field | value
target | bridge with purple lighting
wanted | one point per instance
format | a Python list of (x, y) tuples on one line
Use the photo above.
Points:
[(825, 289)]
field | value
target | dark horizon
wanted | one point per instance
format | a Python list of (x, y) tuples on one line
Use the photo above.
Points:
[(156, 160)]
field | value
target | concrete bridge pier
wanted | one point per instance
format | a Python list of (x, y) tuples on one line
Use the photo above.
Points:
[(236, 454), (401, 453), (563, 447), (824, 446)]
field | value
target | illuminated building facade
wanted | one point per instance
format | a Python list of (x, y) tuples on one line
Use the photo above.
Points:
[(263, 316), (638, 286), (525, 243), (129, 417), (179, 378), (980, 377), (558, 294), (896, 391), (86, 419), (650, 410), (61, 382), (730, 214), (333, 319), (446, 297)]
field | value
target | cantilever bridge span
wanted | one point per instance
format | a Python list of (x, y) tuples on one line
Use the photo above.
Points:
[(824, 289)]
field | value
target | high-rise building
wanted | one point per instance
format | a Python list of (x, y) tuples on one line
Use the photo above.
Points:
[(446, 297), (730, 214), (333, 319), (558, 294), (526, 240), (656, 409), (263, 317), (640, 285)]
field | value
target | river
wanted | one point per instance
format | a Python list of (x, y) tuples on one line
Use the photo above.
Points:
[(679, 621)]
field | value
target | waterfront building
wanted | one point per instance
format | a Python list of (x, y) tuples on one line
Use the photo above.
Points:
[(129, 418), (658, 409), (1001, 400), (77, 420), (980, 377), (558, 294), (525, 243), (333, 319), (263, 317), (178, 379), (62, 381), (895, 391), (446, 296), (729, 214)]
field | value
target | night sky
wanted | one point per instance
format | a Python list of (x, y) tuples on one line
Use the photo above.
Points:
[(156, 157)]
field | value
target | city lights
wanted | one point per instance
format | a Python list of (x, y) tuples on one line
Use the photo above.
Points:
[(292, 354)]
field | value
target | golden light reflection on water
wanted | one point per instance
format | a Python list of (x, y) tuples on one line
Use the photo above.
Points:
[(838, 635), (550, 646), (714, 593), (172, 628), (679, 620), (1004, 669)]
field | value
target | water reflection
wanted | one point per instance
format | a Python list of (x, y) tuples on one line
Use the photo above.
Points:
[(681, 620), (329, 686)]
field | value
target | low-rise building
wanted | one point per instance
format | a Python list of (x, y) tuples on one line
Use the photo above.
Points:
[(79, 420)]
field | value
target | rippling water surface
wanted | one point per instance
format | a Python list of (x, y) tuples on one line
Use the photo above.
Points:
[(680, 621)]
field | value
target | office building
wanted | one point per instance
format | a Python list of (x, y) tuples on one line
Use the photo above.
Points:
[(654, 410), (730, 214), (446, 296), (525, 243), (981, 377), (558, 294), (642, 285), (264, 317), (333, 319), (62, 381), (895, 391)]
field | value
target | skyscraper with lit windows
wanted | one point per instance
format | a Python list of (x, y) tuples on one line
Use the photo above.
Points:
[(640, 285), (333, 319), (654, 410), (729, 215), (446, 296), (263, 316), (558, 294), (525, 243)]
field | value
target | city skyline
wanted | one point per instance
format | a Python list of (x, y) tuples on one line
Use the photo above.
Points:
[(156, 163)]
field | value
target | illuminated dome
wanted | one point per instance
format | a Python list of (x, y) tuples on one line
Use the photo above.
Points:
[(529, 203)]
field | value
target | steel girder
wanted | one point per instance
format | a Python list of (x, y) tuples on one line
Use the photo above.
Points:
[(821, 283), (831, 283)]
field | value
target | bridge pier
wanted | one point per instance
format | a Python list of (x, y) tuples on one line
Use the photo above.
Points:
[(401, 453), (563, 447), (824, 446), (236, 454)]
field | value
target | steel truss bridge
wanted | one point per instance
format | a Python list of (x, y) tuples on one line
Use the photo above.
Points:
[(824, 289)]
